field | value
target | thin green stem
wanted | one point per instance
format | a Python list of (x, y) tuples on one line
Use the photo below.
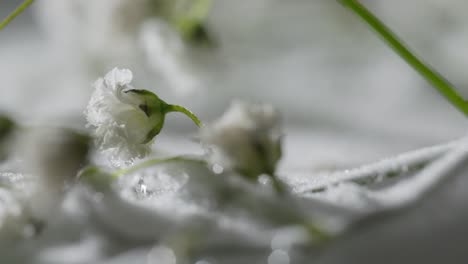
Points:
[(15, 13), (151, 162), (181, 109), (434, 78)]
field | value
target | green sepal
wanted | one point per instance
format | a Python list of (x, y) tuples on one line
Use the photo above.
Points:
[(156, 109)]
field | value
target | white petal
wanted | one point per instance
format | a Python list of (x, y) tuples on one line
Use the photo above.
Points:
[(119, 125), (117, 79)]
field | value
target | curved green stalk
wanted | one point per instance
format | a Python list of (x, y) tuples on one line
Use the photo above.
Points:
[(15, 13), (181, 109), (433, 77), (151, 162)]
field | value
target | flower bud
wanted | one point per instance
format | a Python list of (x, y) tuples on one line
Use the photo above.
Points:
[(247, 139), (126, 119), (54, 154)]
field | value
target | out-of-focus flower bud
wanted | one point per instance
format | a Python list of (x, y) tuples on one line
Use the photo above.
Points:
[(53, 156), (247, 139)]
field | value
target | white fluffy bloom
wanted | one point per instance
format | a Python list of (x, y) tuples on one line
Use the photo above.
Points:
[(246, 139), (125, 120), (120, 123)]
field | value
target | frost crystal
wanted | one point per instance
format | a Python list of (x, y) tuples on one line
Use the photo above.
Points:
[(246, 138), (120, 126)]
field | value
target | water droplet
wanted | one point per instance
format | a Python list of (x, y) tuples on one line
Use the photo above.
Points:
[(161, 255), (141, 189), (278, 257), (217, 169), (142, 186), (264, 179)]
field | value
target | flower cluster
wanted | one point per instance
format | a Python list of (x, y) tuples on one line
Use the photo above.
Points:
[(246, 139)]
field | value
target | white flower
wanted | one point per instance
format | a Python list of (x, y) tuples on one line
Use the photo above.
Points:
[(118, 116), (247, 138), (125, 119)]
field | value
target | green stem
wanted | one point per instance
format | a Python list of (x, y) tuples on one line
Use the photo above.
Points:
[(151, 162), (181, 109), (15, 13), (434, 78)]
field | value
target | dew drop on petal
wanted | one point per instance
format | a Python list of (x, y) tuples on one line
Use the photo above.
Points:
[(141, 189), (264, 180)]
